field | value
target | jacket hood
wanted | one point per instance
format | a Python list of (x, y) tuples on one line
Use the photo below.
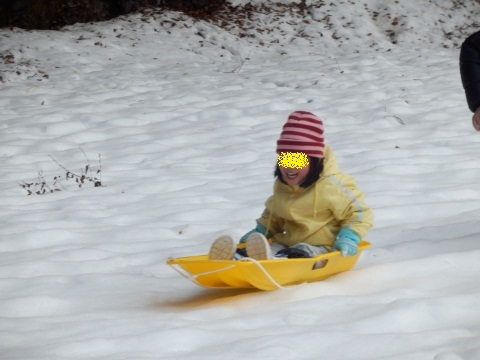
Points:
[(330, 165)]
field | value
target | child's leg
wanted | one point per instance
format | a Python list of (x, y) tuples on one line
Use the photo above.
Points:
[(315, 251), (276, 247), (311, 250), (302, 250)]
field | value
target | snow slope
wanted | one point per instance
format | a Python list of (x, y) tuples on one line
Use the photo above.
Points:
[(181, 117)]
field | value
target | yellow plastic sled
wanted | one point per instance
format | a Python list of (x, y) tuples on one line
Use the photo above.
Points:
[(264, 274)]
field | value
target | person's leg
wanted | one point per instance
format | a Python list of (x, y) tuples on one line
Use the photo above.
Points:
[(276, 247), (311, 250), (302, 250)]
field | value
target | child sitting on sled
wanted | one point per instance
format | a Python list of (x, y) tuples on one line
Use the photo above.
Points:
[(314, 209)]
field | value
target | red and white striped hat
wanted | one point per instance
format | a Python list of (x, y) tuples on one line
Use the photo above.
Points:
[(303, 132)]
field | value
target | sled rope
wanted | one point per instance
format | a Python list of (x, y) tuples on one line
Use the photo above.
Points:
[(265, 272), (193, 278)]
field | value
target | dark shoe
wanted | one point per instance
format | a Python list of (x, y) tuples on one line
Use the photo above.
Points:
[(293, 253)]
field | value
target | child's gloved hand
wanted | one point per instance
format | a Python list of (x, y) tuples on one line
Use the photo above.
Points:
[(260, 229), (347, 242)]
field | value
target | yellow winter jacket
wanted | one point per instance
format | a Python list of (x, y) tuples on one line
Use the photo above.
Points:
[(314, 215)]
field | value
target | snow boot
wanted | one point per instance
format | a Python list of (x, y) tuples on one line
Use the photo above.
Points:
[(258, 247), (223, 248)]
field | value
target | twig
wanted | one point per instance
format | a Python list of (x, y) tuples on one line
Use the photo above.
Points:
[(86, 174), (243, 61), (338, 65), (398, 118)]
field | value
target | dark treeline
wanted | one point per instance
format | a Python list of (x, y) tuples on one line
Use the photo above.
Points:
[(53, 14)]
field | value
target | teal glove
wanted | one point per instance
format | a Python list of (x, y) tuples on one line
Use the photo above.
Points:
[(260, 229), (347, 242)]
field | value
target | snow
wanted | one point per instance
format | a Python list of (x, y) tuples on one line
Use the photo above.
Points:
[(181, 117)]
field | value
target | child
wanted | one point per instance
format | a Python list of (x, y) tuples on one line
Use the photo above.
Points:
[(314, 208)]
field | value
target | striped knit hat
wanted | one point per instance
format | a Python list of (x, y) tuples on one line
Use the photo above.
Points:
[(303, 132)]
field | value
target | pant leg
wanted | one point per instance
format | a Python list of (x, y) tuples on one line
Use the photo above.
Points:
[(311, 250), (276, 247)]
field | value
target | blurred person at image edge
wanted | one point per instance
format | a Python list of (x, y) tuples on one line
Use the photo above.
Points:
[(470, 74)]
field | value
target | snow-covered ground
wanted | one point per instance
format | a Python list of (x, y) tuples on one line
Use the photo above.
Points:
[(181, 117)]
